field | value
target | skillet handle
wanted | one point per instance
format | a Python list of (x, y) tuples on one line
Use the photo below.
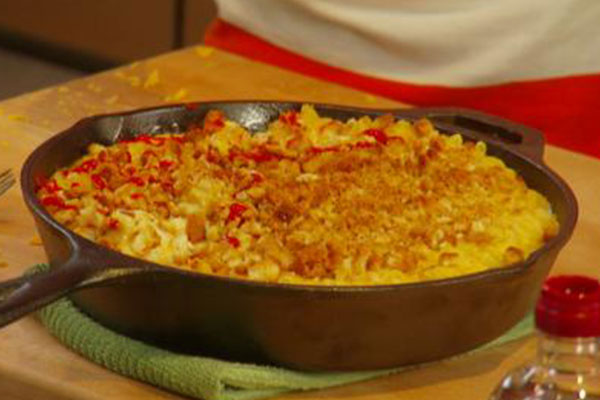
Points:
[(521, 139), (25, 294)]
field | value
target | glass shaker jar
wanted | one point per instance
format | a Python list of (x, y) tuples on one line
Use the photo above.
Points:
[(567, 366)]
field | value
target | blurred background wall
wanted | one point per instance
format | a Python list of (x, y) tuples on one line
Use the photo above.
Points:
[(44, 42)]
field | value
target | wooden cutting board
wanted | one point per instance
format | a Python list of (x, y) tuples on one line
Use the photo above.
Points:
[(33, 365)]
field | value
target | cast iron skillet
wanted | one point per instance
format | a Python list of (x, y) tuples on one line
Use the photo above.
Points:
[(302, 327)]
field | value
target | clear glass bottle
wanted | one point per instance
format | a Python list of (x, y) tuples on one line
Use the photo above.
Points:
[(567, 366)]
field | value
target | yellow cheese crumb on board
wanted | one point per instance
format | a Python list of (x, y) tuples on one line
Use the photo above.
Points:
[(134, 81), (179, 95), (204, 51), (112, 99), (152, 79), (93, 87), (35, 241), (370, 99)]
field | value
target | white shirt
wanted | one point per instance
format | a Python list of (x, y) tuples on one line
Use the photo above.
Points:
[(459, 43)]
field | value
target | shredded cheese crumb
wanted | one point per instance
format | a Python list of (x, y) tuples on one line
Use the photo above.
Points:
[(204, 51), (152, 79), (179, 95)]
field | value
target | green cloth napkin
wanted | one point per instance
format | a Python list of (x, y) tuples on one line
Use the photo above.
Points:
[(194, 376)]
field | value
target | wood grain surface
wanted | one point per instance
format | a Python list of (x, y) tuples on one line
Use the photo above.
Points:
[(33, 365)]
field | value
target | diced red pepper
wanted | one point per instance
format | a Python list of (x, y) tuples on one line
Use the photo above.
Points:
[(364, 145), (55, 201), (98, 182), (113, 223), (86, 166), (262, 156), (292, 142), (235, 211), (290, 118), (319, 150), (212, 156), (145, 138), (257, 177), (166, 164), (233, 241), (51, 186), (136, 196), (167, 187), (136, 180), (378, 135), (214, 121)]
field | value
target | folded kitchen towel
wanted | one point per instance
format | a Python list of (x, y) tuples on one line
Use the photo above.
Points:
[(195, 376)]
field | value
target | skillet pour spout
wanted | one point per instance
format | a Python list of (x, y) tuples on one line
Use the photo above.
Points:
[(303, 327)]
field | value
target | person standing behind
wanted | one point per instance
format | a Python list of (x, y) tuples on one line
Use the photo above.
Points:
[(536, 62)]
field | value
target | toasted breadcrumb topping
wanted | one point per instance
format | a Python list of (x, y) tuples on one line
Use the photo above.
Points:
[(311, 200)]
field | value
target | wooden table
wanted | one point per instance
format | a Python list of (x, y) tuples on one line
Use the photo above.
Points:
[(33, 365)]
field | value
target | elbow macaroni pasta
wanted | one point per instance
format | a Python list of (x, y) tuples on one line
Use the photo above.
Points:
[(311, 200)]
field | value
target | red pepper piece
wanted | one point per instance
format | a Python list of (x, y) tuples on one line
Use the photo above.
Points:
[(137, 181), (235, 211), (136, 196), (168, 187), (319, 150), (145, 138), (233, 241), (86, 166), (262, 156), (364, 145), (256, 177), (98, 182), (378, 135), (55, 201), (113, 223), (211, 156), (290, 118), (213, 121), (166, 164), (51, 186)]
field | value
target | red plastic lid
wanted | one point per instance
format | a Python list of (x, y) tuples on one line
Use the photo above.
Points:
[(569, 306)]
